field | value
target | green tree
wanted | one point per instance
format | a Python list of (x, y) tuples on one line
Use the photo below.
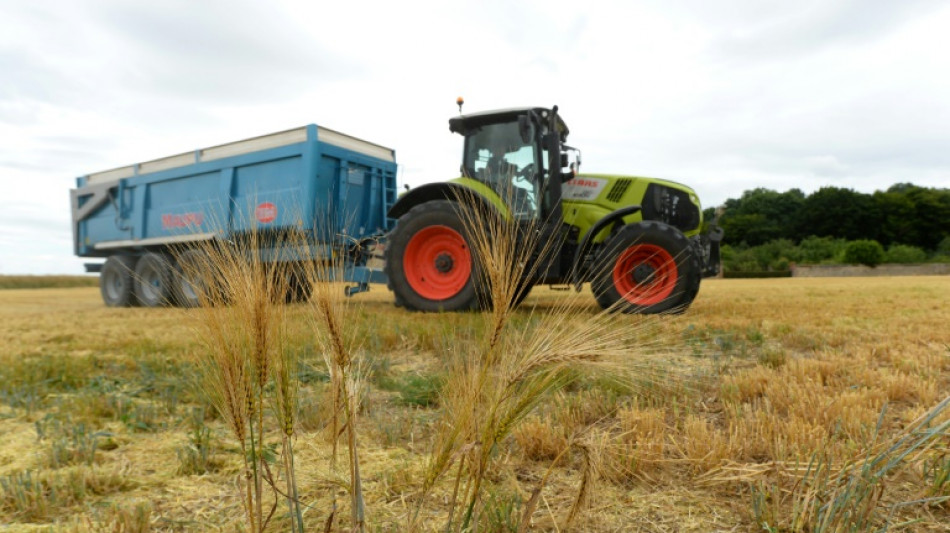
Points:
[(943, 248), (933, 216), (762, 215), (865, 252), (837, 212), (750, 229), (903, 214), (898, 221)]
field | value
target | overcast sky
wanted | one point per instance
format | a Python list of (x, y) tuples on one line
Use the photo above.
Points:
[(721, 95)]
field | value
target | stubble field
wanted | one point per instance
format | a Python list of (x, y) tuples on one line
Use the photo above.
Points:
[(777, 405)]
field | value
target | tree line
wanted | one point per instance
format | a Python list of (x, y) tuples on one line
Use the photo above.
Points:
[(906, 220)]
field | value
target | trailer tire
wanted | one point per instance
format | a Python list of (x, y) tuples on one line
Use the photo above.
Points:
[(299, 288), (192, 279), (116, 280), (647, 268), (153, 280), (429, 262)]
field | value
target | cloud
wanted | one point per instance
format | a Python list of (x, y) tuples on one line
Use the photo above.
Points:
[(826, 166), (199, 51), (783, 30)]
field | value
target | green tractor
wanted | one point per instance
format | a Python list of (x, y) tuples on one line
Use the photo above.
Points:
[(639, 242)]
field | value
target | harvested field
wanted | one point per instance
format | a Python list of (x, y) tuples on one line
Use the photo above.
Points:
[(780, 405)]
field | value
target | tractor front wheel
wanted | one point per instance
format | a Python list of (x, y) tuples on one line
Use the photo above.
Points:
[(429, 261), (647, 268)]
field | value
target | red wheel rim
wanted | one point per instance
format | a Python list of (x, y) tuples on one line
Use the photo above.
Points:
[(645, 274), (437, 263)]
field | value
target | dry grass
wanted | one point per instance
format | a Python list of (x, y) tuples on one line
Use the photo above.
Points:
[(47, 282), (778, 371)]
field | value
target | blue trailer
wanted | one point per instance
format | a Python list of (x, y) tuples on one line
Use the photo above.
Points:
[(312, 179)]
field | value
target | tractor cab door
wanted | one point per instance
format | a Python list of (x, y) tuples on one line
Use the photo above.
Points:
[(498, 156)]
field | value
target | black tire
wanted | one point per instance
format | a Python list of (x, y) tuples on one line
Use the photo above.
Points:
[(441, 278), (116, 280), (647, 268), (153, 281), (193, 277), (299, 288)]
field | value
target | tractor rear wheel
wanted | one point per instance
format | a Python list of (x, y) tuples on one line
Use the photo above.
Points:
[(647, 268), (116, 280), (429, 262)]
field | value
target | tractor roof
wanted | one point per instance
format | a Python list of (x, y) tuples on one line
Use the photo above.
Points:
[(464, 123)]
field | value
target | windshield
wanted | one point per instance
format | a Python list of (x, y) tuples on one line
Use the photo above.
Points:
[(497, 156)]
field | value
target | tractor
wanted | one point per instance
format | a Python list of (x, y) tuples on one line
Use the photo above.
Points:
[(639, 242)]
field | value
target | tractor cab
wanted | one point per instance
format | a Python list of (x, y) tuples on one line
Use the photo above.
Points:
[(519, 154)]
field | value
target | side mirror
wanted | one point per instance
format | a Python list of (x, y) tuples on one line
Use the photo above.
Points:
[(524, 129), (564, 161)]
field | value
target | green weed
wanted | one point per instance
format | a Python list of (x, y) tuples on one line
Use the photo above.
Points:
[(421, 390), (69, 444), (35, 497), (772, 357), (849, 497), (501, 512), (197, 456)]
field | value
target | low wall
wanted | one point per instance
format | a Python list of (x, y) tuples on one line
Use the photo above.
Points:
[(839, 271)]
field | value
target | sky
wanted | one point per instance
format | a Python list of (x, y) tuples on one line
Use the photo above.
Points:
[(724, 96)]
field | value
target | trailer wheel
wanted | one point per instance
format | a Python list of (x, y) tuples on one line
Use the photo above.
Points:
[(193, 276), (299, 287), (647, 268), (115, 281), (429, 262), (153, 281)]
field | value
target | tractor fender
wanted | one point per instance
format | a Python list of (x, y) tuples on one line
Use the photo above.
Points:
[(588, 240), (458, 190)]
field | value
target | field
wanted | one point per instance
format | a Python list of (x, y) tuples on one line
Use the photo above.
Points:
[(771, 405)]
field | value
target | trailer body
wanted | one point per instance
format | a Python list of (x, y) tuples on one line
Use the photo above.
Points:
[(334, 187)]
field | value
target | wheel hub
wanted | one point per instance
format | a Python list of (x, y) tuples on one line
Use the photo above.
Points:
[(444, 263), (643, 273), (437, 263)]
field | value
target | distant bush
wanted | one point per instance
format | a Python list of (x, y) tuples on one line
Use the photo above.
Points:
[(774, 255), (864, 252), (780, 254), (820, 249), (781, 264), (902, 253)]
